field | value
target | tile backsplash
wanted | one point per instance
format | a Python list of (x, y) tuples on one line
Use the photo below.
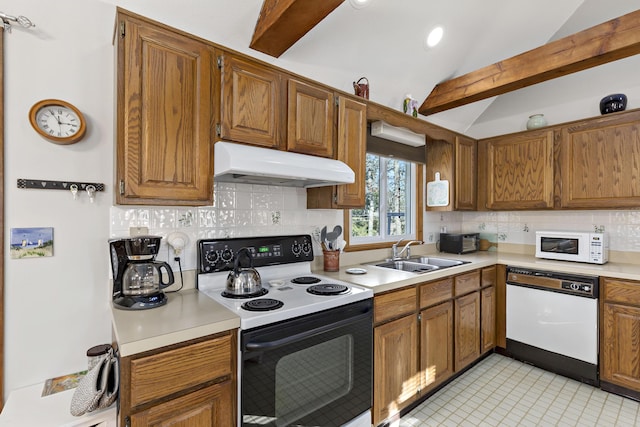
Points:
[(519, 227), (241, 210), (238, 210)]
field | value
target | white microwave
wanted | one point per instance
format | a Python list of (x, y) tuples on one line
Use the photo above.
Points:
[(573, 246)]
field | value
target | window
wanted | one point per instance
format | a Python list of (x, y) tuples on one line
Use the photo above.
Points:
[(390, 203)]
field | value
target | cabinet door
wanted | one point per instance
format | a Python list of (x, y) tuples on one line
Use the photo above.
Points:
[(466, 174), (165, 111), (620, 346), (352, 150), (600, 162), (252, 96), (488, 320), (517, 171), (310, 119), (213, 406), (436, 345), (395, 364), (467, 330)]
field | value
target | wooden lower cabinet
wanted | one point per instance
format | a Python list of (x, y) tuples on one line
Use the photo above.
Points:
[(488, 319), (436, 345), (619, 335), (207, 407), (467, 330), (186, 384), (395, 361), (424, 334)]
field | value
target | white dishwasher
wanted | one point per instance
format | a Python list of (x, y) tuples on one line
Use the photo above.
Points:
[(552, 321)]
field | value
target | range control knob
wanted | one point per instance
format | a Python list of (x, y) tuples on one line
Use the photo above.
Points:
[(226, 255), (306, 247), (212, 257), (295, 248)]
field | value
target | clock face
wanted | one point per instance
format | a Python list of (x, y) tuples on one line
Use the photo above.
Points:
[(58, 121)]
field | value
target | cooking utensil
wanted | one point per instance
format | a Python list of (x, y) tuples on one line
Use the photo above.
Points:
[(332, 237), (438, 192), (243, 280), (323, 238)]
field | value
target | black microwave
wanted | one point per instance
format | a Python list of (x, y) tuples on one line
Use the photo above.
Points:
[(459, 243)]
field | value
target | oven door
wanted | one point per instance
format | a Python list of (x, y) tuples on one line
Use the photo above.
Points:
[(314, 370)]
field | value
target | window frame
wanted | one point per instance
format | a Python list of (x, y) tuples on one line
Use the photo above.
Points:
[(419, 208)]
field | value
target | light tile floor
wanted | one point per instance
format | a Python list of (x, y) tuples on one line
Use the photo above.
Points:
[(500, 391)]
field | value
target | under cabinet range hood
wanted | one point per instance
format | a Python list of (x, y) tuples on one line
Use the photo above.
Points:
[(256, 165)]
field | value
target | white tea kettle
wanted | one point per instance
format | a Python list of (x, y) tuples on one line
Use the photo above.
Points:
[(243, 280)]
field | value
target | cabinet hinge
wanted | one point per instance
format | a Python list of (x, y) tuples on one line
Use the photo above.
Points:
[(127, 422), (335, 198), (122, 29), (337, 101), (218, 129), (219, 60), (121, 187), (419, 317)]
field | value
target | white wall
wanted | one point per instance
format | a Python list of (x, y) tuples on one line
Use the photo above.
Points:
[(57, 307)]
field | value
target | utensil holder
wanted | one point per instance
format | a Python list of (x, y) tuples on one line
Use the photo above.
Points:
[(331, 260)]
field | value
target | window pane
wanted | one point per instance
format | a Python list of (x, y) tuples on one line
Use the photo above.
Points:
[(366, 222), (398, 197)]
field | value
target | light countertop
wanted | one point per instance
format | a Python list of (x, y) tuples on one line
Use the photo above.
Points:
[(381, 279), (190, 314), (187, 315)]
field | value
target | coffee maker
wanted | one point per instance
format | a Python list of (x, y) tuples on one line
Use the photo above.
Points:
[(137, 277)]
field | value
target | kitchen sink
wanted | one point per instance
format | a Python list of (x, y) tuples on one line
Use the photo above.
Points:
[(419, 265), (439, 262), (414, 267)]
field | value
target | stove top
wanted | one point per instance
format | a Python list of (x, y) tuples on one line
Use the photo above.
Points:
[(284, 264)]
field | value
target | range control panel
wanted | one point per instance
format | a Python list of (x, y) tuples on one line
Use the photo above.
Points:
[(215, 255)]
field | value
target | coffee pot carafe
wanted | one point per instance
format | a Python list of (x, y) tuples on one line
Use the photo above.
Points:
[(138, 280), (145, 278)]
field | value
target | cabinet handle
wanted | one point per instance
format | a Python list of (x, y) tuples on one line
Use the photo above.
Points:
[(127, 422)]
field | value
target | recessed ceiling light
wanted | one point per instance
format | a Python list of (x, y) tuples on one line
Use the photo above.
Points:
[(435, 36), (359, 4)]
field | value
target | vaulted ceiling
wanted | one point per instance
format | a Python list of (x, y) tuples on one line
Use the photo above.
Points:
[(384, 41)]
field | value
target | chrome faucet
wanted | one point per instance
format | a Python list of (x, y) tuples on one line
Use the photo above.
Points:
[(397, 255)]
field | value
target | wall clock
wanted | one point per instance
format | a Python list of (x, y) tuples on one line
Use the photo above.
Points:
[(58, 121)]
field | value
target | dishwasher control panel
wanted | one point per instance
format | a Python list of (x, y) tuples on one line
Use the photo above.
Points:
[(573, 284)]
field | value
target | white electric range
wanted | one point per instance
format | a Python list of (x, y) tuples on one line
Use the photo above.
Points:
[(284, 264), (305, 343)]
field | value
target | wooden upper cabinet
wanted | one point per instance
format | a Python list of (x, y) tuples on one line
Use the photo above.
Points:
[(456, 162), (600, 162), (516, 171), (351, 141), (352, 150), (166, 94), (310, 119), (252, 97), (466, 174)]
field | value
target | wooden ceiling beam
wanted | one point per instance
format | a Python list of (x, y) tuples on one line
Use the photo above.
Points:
[(283, 22), (606, 42)]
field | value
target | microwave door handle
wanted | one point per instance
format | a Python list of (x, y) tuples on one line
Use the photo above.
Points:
[(270, 345)]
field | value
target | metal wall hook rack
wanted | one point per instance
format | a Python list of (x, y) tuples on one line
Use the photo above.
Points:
[(58, 185)]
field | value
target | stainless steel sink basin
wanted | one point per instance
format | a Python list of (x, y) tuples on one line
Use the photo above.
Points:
[(439, 262), (414, 267), (422, 264)]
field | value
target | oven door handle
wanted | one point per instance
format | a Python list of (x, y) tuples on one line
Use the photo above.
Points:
[(270, 345)]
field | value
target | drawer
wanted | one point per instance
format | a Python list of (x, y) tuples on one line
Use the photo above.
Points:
[(621, 291), (467, 282), (433, 293), (394, 304), (488, 276), (171, 371)]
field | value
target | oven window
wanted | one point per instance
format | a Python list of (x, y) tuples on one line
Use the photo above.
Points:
[(328, 366), (559, 245)]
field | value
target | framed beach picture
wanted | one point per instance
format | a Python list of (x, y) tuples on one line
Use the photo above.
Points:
[(33, 242)]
